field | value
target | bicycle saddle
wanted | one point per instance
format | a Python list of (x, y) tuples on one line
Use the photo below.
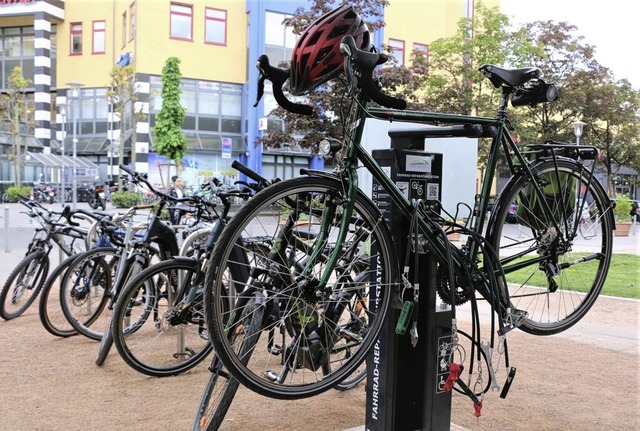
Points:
[(500, 76)]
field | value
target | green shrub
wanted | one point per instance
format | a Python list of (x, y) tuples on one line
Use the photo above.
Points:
[(622, 209), (125, 199), (13, 192)]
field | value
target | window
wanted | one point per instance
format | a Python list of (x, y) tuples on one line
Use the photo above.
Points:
[(124, 29), (397, 50), (215, 24), (181, 21), (99, 41), (422, 49), (132, 21), (76, 38), (279, 39)]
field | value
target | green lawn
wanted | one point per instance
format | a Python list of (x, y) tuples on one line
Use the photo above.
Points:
[(624, 276), (623, 279)]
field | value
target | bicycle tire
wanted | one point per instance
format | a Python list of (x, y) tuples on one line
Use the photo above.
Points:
[(218, 394), (170, 343), (16, 298), (301, 309), (564, 275), (106, 341), (50, 309), (84, 299)]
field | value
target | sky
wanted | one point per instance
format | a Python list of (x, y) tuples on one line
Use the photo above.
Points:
[(612, 26)]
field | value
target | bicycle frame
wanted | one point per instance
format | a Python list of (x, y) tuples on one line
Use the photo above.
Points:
[(353, 153)]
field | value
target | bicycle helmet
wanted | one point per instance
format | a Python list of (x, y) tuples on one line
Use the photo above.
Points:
[(316, 56)]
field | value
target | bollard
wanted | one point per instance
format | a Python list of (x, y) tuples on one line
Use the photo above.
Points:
[(6, 230)]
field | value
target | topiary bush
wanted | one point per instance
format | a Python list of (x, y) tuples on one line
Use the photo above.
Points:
[(13, 193), (623, 208), (125, 199)]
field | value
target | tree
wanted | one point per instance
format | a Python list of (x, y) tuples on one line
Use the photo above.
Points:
[(170, 140), (588, 92), (17, 114), (124, 95), (611, 112)]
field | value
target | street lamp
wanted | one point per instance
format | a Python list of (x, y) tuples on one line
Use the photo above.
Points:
[(74, 95), (577, 130), (63, 115)]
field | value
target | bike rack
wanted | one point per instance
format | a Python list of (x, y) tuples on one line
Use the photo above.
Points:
[(405, 383)]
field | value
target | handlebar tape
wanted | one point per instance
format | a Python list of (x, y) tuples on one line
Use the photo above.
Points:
[(278, 77), (366, 62)]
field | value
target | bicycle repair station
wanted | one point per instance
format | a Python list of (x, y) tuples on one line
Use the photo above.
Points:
[(408, 367)]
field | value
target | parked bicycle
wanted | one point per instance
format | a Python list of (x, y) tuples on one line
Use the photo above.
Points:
[(171, 337), (107, 231), (116, 267), (543, 280), (24, 283)]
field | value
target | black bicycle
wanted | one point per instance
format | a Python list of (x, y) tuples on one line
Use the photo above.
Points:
[(170, 337), (26, 280)]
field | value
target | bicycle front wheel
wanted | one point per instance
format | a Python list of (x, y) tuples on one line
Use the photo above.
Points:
[(84, 290), (553, 273), (23, 285), (169, 337), (309, 327)]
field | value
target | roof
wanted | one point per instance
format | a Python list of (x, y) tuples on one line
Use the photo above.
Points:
[(53, 161)]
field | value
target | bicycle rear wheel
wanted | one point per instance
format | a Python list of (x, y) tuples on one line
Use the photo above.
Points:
[(552, 273), (313, 324), (23, 285), (169, 337), (51, 314)]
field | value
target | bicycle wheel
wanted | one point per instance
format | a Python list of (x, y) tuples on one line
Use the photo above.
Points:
[(50, 308), (145, 301), (552, 273), (286, 217), (23, 285), (222, 387), (84, 292), (175, 339)]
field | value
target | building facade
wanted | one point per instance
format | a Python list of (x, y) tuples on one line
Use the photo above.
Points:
[(68, 49)]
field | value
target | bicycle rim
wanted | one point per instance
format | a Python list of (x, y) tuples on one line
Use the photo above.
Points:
[(302, 351), (164, 335), (553, 274)]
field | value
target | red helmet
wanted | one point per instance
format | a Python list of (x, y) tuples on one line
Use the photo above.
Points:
[(316, 57)]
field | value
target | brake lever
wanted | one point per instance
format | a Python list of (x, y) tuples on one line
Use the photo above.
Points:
[(263, 76)]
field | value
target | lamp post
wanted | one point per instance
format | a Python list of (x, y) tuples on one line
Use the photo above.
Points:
[(63, 115), (75, 95), (577, 129)]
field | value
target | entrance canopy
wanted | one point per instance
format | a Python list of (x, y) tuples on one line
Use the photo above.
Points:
[(59, 166), (55, 161)]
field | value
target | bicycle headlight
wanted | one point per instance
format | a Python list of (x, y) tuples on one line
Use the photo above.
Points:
[(327, 146)]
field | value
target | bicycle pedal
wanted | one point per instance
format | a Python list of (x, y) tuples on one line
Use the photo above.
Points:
[(275, 350), (270, 375)]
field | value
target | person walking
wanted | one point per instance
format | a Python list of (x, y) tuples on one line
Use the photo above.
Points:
[(177, 191)]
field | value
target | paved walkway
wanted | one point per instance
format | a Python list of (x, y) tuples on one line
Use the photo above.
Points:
[(16, 229)]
